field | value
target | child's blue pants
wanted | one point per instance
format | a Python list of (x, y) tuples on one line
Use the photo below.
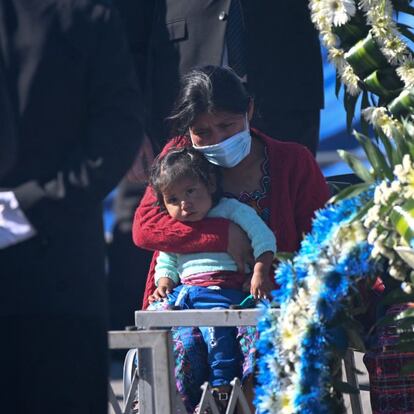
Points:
[(224, 355)]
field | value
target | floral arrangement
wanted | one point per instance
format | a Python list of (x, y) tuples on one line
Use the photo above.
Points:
[(367, 230), (298, 348), (368, 49)]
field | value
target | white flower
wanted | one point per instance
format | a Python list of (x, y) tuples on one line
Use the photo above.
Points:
[(375, 252), (286, 405), (377, 195), (372, 236), (394, 49), (406, 72), (329, 39), (338, 12), (372, 113), (372, 216), (401, 171), (382, 193), (336, 55), (314, 284), (396, 186), (406, 288), (365, 4), (350, 79)]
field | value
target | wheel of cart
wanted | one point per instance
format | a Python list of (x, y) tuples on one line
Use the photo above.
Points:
[(129, 372)]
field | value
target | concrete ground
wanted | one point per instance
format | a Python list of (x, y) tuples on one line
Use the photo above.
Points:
[(116, 382)]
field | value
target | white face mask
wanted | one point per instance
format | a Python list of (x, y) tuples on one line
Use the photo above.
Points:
[(231, 151)]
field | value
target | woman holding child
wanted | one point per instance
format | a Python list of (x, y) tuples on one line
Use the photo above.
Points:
[(280, 180)]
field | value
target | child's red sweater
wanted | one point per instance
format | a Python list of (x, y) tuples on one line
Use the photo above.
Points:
[(297, 190)]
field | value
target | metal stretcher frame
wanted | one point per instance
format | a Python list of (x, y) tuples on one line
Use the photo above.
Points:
[(155, 375)]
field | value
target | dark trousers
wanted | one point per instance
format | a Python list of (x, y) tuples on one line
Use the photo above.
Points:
[(53, 364)]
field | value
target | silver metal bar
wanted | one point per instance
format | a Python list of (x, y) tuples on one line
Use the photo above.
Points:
[(207, 400), (156, 362), (155, 368), (113, 401), (197, 317), (129, 396), (133, 339), (352, 379), (146, 381), (164, 380), (237, 396), (129, 371)]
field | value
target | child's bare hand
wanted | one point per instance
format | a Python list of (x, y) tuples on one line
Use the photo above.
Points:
[(165, 286), (260, 286)]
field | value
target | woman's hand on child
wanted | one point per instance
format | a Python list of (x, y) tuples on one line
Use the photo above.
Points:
[(239, 247), (261, 286), (165, 286)]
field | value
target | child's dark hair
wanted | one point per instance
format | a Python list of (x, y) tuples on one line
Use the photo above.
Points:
[(180, 163)]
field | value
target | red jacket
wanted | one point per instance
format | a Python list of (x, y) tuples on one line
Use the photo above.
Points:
[(297, 190)]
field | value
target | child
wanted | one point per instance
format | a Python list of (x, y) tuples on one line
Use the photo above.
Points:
[(188, 187)]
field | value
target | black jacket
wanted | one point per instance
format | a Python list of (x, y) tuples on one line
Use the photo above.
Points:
[(77, 107), (284, 66)]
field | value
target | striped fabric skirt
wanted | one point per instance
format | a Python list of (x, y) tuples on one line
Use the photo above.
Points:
[(390, 391)]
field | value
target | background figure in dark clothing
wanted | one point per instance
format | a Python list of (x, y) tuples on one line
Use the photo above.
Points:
[(71, 87), (128, 265), (279, 59)]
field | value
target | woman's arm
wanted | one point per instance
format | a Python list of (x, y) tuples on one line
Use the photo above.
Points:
[(154, 229)]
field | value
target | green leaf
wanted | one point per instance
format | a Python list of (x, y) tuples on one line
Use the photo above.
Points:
[(364, 104), (362, 212), (408, 128), (344, 387), (356, 166), (406, 323), (401, 144), (358, 371), (385, 321), (349, 192), (405, 31), (407, 369), (349, 104), (397, 296), (404, 7), (392, 156), (406, 347), (375, 157), (338, 85), (406, 335), (354, 340), (407, 313)]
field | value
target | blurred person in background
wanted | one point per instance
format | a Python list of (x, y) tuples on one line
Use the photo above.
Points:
[(70, 113)]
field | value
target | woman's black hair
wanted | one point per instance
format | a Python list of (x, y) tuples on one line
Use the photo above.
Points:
[(180, 163), (205, 90)]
